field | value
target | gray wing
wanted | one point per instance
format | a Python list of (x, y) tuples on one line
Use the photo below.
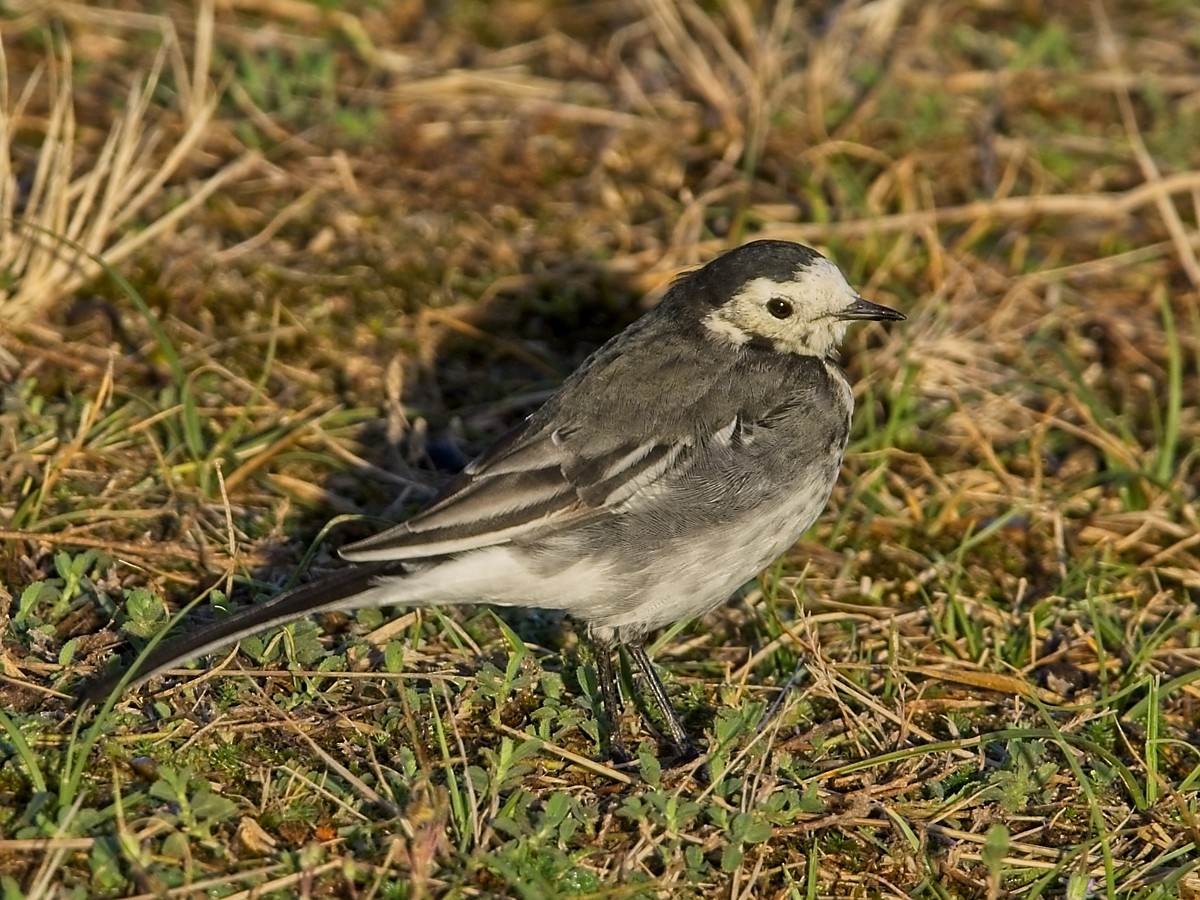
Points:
[(527, 484), (633, 414)]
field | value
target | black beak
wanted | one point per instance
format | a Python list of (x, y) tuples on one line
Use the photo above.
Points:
[(865, 309)]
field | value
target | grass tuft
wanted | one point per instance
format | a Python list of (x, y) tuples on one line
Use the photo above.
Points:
[(73, 210)]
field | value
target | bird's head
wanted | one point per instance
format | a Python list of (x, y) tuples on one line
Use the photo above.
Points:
[(779, 294)]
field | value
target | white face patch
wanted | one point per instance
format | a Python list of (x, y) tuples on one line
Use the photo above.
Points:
[(724, 329), (817, 294)]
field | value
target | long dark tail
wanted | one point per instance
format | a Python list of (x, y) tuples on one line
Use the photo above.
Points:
[(318, 596)]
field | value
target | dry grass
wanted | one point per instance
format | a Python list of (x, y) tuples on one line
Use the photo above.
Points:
[(67, 220), (975, 678)]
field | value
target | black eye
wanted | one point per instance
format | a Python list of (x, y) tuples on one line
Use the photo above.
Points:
[(779, 308)]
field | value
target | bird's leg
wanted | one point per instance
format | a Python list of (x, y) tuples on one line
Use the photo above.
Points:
[(683, 741), (610, 699)]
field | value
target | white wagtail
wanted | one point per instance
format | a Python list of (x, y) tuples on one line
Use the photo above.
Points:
[(676, 463)]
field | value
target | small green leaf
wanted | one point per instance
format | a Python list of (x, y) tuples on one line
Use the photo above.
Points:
[(83, 562), (10, 889), (67, 653), (171, 785), (393, 657), (578, 880), (732, 857), (757, 832), (62, 564), (719, 816), (633, 809), (369, 617), (176, 846), (306, 643), (737, 830), (334, 663), (995, 848), (105, 864), (479, 778), (557, 808), (650, 768), (32, 596), (145, 613), (552, 685), (507, 826), (212, 808)]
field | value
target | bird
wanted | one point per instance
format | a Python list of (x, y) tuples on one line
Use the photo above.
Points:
[(678, 461)]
